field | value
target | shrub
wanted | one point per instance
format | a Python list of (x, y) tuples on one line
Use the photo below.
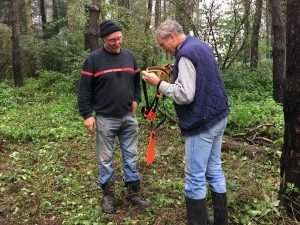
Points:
[(61, 52)]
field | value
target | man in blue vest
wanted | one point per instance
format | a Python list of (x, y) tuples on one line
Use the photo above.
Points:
[(201, 105)]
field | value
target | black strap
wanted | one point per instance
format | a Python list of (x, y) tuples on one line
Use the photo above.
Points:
[(153, 106), (145, 93)]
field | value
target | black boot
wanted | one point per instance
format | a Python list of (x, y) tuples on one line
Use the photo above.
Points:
[(108, 198), (220, 209), (133, 188), (196, 211)]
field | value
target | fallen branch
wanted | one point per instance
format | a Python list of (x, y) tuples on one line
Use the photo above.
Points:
[(168, 115), (254, 135)]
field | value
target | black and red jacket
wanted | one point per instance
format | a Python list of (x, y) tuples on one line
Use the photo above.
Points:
[(109, 83)]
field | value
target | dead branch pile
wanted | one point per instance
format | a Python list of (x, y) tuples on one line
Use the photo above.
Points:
[(256, 135)]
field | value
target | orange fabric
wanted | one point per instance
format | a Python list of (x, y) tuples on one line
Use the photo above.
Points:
[(151, 148), (166, 70)]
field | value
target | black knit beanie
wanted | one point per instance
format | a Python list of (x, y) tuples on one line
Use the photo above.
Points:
[(107, 27)]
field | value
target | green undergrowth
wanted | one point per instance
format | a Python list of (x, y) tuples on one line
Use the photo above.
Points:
[(251, 102), (49, 171)]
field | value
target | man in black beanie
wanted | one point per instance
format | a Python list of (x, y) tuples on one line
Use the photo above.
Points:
[(110, 86)]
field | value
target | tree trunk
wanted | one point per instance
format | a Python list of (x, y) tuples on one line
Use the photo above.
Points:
[(247, 48), (55, 29), (255, 34), (290, 158), (147, 26), (279, 53), (43, 16), (46, 15), (148, 20), (29, 25), (268, 18), (166, 5), (156, 24), (15, 42), (94, 10)]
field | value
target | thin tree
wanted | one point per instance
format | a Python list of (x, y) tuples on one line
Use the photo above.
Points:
[(156, 24), (255, 34), (279, 50), (147, 27), (228, 38), (15, 42), (29, 24), (55, 9), (245, 50), (268, 26), (290, 158), (43, 18), (93, 32)]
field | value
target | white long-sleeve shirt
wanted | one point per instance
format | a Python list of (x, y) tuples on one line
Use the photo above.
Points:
[(183, 90)]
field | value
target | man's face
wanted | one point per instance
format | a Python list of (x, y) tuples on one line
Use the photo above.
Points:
[(168, 44), (113, 42)]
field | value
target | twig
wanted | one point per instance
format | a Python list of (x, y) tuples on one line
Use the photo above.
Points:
[(168, 115)]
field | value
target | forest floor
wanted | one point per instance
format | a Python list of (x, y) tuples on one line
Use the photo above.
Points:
[(55, 183)]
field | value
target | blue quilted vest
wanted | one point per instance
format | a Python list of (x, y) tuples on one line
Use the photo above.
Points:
[(210, 104)]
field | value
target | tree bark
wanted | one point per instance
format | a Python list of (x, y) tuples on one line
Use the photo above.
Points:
[(147, 27), (156, 24), (55, 15), (269, 29), (246, 52), (279, 50), (290, 158), (29, 24), (15, 42), (255, 34), (43, 17), (93, 32)]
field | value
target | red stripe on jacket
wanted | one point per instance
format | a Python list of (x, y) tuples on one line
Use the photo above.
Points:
[(109, 71)]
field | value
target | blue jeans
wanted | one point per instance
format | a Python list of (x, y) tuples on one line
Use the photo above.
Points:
[(203, 162), (125, 127)]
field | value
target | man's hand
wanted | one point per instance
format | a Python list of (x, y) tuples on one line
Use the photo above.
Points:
[(150, 78), (134, 107), (90, 124)]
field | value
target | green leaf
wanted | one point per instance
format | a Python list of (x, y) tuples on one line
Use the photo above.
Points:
[(254, 212)]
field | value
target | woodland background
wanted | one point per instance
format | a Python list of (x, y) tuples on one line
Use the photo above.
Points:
[(48, 166)]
